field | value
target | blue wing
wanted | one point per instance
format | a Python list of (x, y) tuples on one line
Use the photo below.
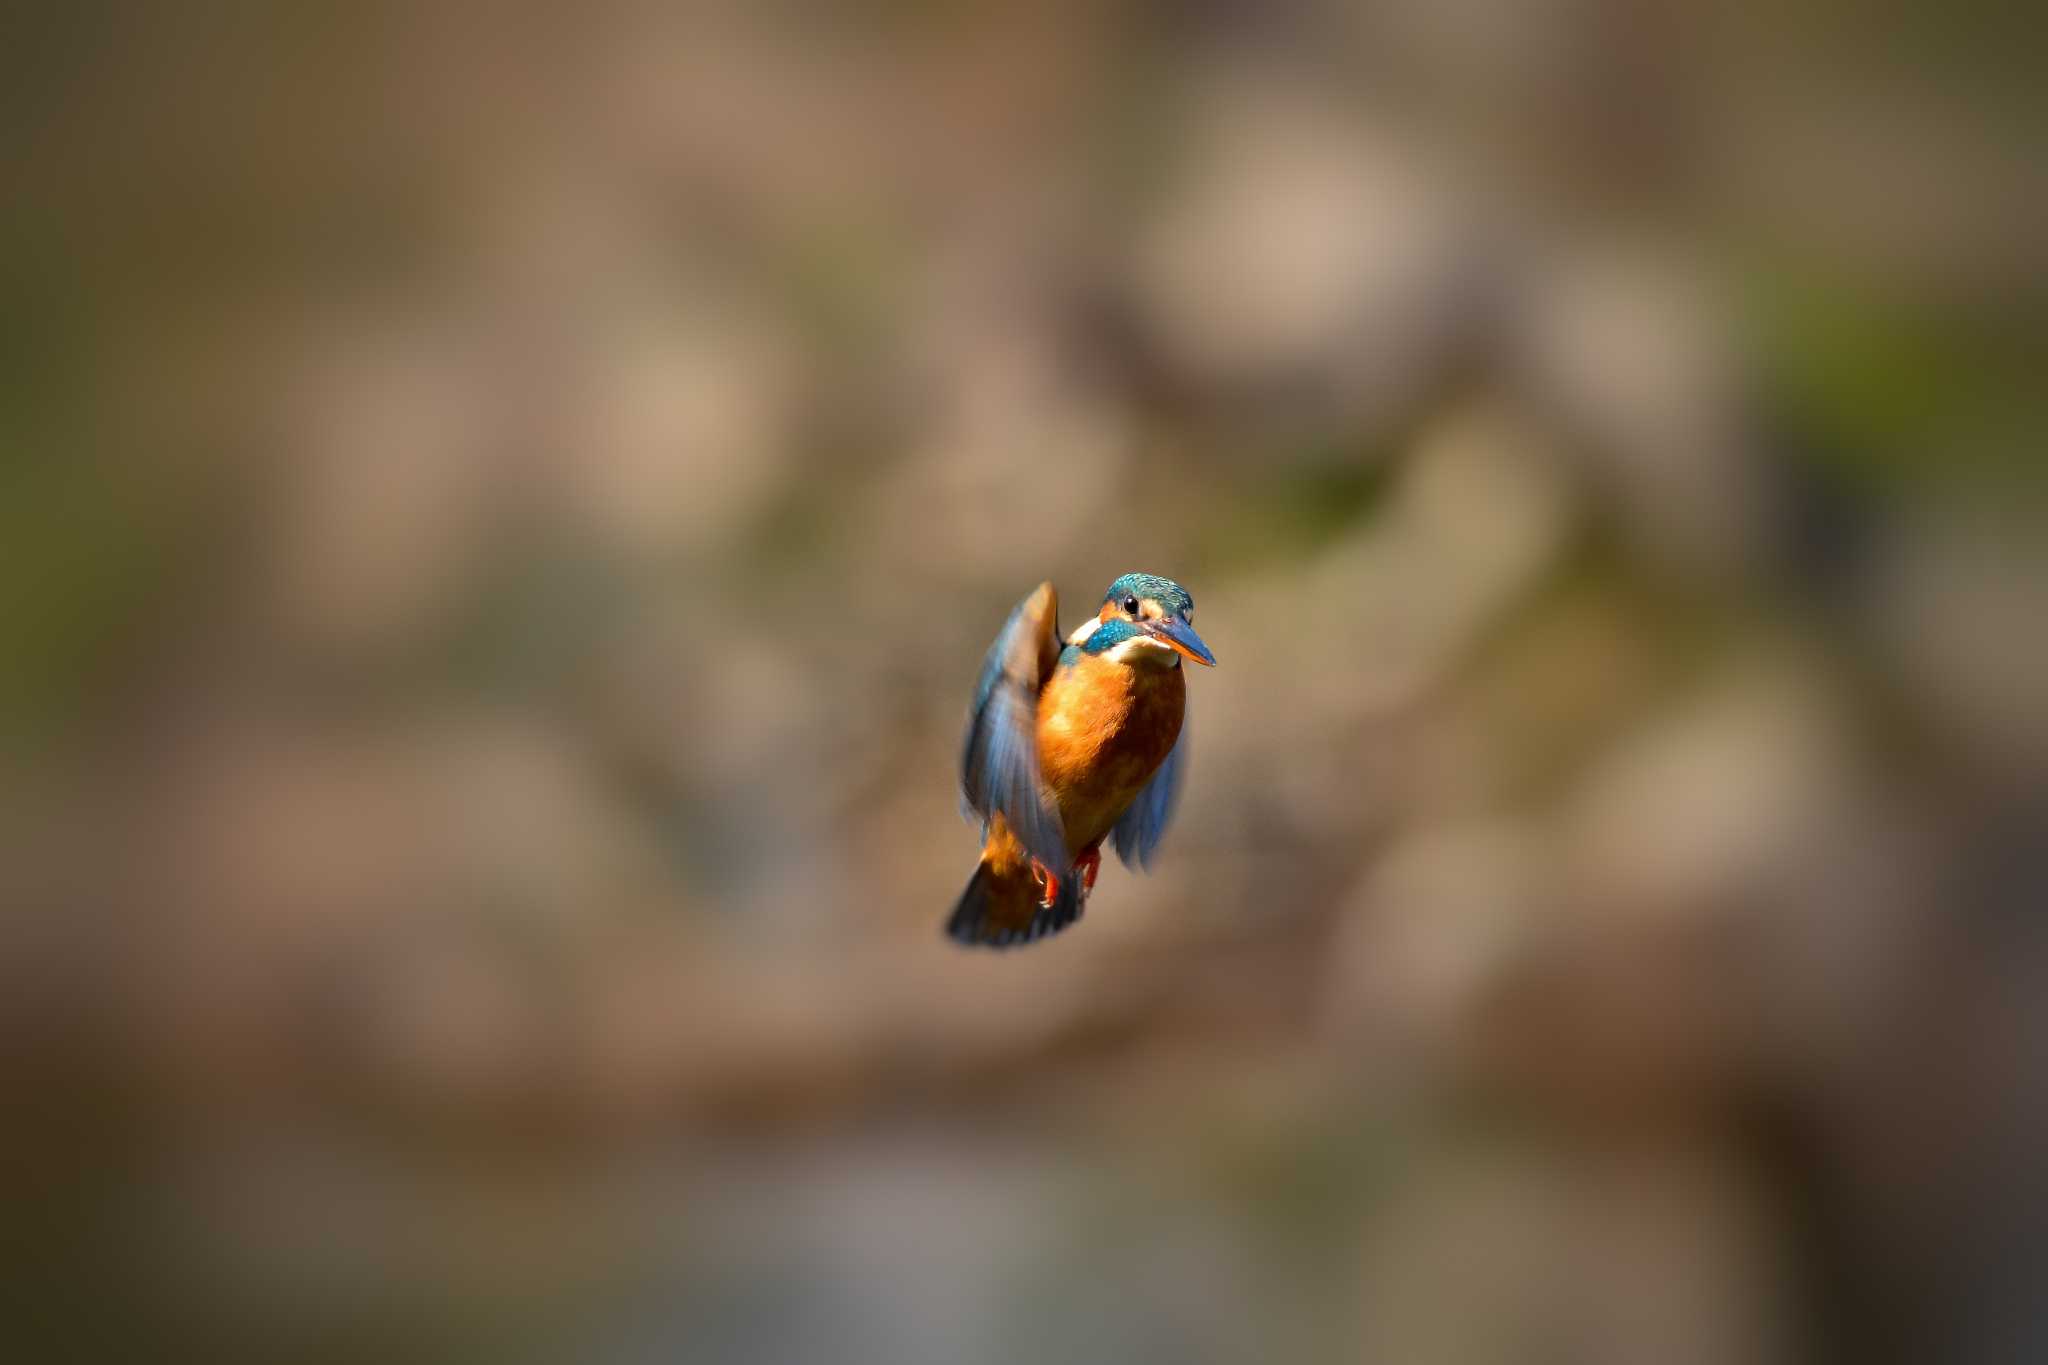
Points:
[(1138, 832), (999, 762)]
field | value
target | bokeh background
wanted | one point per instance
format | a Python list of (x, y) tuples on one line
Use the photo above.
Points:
[(503, 507)]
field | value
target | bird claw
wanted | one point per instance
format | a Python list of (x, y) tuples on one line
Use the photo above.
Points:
[(1088, 865), (1049, 883)]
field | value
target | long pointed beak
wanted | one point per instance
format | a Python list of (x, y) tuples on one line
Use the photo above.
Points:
[(1182, 637)]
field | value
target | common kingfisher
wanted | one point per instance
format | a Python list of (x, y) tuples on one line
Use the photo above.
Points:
[(1070, 744)]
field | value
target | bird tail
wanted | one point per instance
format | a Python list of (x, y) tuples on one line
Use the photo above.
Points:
[(998, 911)]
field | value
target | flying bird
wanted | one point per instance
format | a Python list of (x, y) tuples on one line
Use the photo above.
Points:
[(1069, 744)]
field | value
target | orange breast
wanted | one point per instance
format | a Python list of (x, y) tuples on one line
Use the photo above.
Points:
[(1103, 730)]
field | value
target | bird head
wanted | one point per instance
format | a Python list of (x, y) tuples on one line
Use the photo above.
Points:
[(1145, 620)]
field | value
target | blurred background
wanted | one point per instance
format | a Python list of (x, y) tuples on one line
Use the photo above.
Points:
[(502, 510)]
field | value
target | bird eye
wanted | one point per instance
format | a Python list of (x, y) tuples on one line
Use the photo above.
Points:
[(1131, 605)]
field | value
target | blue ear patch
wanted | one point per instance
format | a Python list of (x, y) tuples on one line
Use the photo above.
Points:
[(1109, 635)]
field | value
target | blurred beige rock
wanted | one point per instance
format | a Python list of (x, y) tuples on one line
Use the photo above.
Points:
[(1744, 778), (1298, 240), (1428, 933)]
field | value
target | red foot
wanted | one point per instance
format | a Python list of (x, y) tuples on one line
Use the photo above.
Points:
[(1044, 877), (1088, 865)]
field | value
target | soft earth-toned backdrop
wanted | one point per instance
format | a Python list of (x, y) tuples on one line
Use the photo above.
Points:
[(504, 510)]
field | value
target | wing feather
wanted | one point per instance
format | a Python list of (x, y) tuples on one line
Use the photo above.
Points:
[(999, 771), (1143, 824)]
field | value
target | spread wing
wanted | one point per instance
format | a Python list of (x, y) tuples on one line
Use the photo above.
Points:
[(999, 765), (1138, 832)]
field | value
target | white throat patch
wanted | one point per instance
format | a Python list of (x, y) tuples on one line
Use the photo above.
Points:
[(1146, 648)]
